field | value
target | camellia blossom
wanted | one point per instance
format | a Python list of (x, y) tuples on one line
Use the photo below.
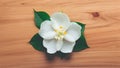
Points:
[(59, 34)]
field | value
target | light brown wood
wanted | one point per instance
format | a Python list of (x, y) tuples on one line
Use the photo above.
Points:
[(102, 19)]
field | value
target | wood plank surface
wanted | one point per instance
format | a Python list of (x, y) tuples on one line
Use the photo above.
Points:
[(102, 19)]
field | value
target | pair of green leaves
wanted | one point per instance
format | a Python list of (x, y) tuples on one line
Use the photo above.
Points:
[(37, 41)]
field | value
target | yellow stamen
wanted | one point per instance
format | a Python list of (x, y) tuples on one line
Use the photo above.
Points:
[(55, 30), (60, 33), (65, 33), (61, 27)]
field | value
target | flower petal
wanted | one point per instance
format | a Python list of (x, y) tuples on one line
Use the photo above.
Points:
[(60, 19), (73, 32), (59, 44), (67, 47), (46, 30), (50, 45)]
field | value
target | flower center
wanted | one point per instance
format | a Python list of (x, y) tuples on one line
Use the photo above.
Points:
[(60, 33)]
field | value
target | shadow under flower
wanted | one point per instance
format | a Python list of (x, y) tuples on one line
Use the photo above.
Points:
[(51, 57)]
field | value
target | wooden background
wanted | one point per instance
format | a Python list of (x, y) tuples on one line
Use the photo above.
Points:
[(102, 19)]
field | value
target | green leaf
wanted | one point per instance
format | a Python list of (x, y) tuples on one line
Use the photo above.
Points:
[(37, 42), (81, 43), (39, 17)]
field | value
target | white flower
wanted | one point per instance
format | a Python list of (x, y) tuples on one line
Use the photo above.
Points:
[(59, 34)]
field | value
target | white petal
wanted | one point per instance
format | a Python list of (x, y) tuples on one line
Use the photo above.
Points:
[(59, 44), (50, 45), (60, 19), (67, 47), (46, 30), (73, 32)]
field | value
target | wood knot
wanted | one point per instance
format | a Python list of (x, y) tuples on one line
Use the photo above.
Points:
[(22, 3), (95, 14)]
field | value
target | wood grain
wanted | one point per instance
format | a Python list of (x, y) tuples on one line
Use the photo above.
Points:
[(102, 19)]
